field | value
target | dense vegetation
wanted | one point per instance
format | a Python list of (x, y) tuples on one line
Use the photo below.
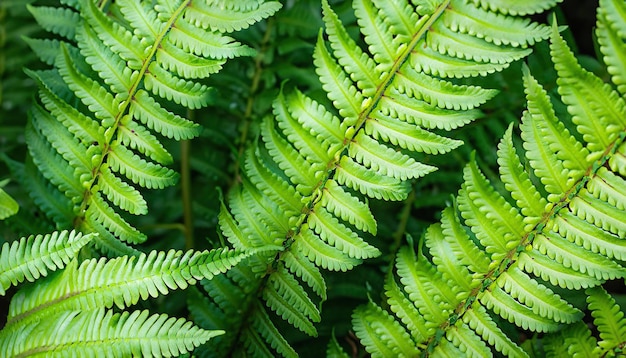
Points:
[(341, 178)]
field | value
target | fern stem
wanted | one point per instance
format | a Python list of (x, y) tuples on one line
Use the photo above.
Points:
[(185, 182), (405, 214), (254, 87)]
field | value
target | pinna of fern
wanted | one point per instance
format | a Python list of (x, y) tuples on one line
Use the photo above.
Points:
[(123, 73), (559, 228), (307, 178), (577, 340), (70, 312)]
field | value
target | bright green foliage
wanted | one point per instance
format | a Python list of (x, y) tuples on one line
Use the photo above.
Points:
[(49, 315), (381, 88), (307, 180), (105, 333), (559, 227), (33, 257), (123, 73), (577, 340)]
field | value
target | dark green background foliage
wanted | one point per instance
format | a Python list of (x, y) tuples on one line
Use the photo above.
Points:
[(187, 215)]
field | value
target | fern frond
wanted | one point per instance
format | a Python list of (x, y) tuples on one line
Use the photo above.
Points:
[(307, 180), (579, 341), (35, 256), (561, 220), (378, 329), (121, 282), (100, 332), (608, 318), (122, 75)]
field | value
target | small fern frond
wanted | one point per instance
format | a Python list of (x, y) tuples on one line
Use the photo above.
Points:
[(609, 320), (518, 255), (307, 180), (123, 74), (121, 282), (577, 340), (79, 295), (99, 332), (35, 256)]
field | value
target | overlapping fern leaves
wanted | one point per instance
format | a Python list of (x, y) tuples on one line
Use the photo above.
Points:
[(577, 340), (70, 312), (559, 227), (306, 181), (124, 72)]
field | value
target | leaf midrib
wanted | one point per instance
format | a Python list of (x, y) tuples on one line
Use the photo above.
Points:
[(123, 110), (365, 113)]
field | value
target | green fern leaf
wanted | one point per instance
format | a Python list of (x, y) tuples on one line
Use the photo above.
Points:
[(496, 224), (608, 317), (467, 341), (305, 180), (300, 266), (297, 308), (407, 312), (383, 337), (358, 177), (266, 329), (121, 74), (538, 297), (121, 282), (98, 332), (322, 254), (336, 234), (60, 21), (229, 18), (529, 7), (561, 220), (155, 117), (56, 205), (334, 350), (517, 182), (577, 340), (610, 35), (385, 160), (33, 257), (349, 208), (480, 321), (138, 170)]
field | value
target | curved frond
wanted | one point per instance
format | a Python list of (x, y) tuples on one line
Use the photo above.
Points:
[(578, 340), (122, 75), (122, 282), (307, 181), (99, 332), (516, 252), (35, 256), (608, 318)]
